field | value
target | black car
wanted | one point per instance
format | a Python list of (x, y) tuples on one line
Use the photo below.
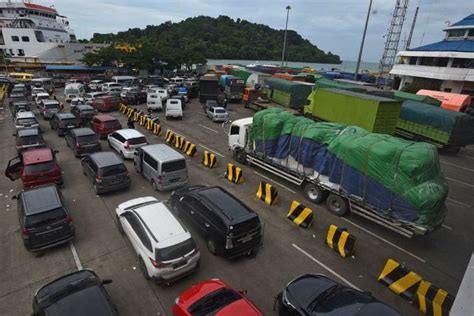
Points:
[(106, 171), (134, 97), (28, 138), (45, 222), (18, 106), (63, 121), (230, 228), (78, 293), (84, 112), (82, 141), (314, 294)]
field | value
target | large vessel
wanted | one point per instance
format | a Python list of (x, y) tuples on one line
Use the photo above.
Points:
[(446, 66), (35, 33)]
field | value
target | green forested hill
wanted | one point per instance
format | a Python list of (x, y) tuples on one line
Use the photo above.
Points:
[(221, 38)]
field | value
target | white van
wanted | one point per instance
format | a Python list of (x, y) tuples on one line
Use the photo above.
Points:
[(111, 86), (174, 108), (153, 102), (45, 83), (74, 90), (177, 80), (163, 93), (124, 80)]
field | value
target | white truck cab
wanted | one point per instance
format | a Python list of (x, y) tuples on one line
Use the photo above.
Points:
[(238, 133)]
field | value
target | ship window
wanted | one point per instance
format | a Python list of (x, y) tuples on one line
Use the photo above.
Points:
[(21, 52), (25, 38), (456, 33), (15, 38), (471, 32)]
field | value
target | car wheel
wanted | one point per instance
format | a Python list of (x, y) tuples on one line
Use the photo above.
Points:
[(119, 225), (314, 193), (153, 184), (337, 205), (211, 246), (143, 268)]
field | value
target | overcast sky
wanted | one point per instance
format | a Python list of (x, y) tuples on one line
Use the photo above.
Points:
[(333, 25)]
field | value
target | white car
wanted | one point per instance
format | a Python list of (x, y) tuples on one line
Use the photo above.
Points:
[(153, 102), (165, 249), (35, 91), (40, 97), (96, 85), (217, 114), (90, 97), (106, 87), (174, 109), (124, 141), (163, 93)]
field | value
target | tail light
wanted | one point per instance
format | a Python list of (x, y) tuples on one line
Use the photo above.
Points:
[(98, 179), (228, 242), (127, 145), (69, 219), (78, 145), (158, 264), (26, 233)]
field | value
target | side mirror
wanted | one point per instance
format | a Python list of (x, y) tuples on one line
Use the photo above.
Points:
[(106, 281), (242, 292), (15, 197)]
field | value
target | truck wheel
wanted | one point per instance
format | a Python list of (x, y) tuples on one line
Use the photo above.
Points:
[(337, 205), (240, 155), (314, 193)]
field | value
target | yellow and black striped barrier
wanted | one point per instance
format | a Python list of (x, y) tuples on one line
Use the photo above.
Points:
[(136, 115), (142, 120), (234, 174), (300, 215), (398, 279), (432, 300), (179, 142), (156, 129), (130, 112), (267, 193), (189, 149), (123, 108), (149, 124), (339, 240), (169, 137), (209, 159)]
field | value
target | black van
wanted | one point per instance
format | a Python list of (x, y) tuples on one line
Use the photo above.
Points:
[(230, 228), (106, 170), (45, 222)]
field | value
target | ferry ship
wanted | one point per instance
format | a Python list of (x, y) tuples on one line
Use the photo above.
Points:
[(35, 33)]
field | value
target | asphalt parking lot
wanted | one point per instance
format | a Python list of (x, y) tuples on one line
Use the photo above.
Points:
[(288, 251)]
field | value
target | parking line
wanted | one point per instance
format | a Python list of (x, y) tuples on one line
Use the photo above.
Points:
[(454, 165), (384, 240), (461, 182), (459, 203), (340, 277), (75, 256), (215, 152), (466, 156), (447, 227), (212, 130), (270, 179)]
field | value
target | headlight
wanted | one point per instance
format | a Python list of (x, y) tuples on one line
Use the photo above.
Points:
[(176, 300)]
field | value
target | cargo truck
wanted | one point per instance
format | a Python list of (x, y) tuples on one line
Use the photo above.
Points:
[(208, 87), (346, 188)]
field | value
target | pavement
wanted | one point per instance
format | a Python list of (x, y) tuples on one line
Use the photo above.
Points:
[(288, 251)]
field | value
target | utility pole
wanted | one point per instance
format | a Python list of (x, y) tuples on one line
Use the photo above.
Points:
[(284, 39), (407, 47), (363, 40)]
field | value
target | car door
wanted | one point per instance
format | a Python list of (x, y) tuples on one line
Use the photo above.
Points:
[(190, 207), (137, 235), (13, 169), (113, 141)]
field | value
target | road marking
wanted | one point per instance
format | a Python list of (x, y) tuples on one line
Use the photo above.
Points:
[(279, 184), (215, 152), (447, 227), (454, 165), (340, 277), (384, 240), (466, 156), (212, 130), (75, 256), (457, 202), (461, 182)]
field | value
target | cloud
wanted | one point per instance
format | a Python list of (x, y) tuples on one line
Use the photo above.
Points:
[(332, 25)]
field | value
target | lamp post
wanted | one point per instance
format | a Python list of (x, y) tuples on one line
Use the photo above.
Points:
[(288, 8), (362, 43)]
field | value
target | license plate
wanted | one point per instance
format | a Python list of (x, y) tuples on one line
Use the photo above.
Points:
[(179, 264), (70, 126), (174, 180)]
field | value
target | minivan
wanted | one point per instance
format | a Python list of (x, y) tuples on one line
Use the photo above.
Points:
[(48, 108), (174, 108), (106, 103), (126, 141), (26, 119), (104, 125), (163, 166), (153, 102), (82, 141), (28, 138), (45, 83), (74, 90)]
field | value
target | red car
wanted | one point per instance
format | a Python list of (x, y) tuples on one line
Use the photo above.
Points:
[(103, 125), (35, 167), (106, 103), (214, 297)]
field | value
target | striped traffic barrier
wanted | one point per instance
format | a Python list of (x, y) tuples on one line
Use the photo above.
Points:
[(432, 300), (136, 115), (149, 124), (267, 193), (129, 112), (234, 174), (209, 159), (123, 108), (142, 120), (156, 129), (189, 149), (399, 280), (169, 137), (300, 215), (339, 240), (179, 142)]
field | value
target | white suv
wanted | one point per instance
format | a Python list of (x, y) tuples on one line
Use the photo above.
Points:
[(165, 249), (124, 141)]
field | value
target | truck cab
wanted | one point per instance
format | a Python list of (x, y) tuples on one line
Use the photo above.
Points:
[(238, 136)]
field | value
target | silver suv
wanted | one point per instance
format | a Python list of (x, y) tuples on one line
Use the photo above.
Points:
[(217, 114)]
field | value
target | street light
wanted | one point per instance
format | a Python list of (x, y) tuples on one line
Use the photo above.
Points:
[(362, 43), (288, 8)]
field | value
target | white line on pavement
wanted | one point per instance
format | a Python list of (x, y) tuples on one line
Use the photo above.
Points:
[(384, 240), (215, 152), (270, 179), (457, 202), (212, 130), (340, 277), (447, 227), (75, 256), (454, 165), (466, 156), (461, 182)]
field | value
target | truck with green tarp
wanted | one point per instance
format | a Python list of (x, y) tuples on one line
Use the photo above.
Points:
[(375, 114), (393, 182), (292, 94)]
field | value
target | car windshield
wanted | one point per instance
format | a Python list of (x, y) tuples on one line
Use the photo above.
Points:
[(136, 140), (213, 302), (40, 167), (339, 301), (220, 111), (44, 218), (86, 139), (69, 120), (71, 91), (175, 251), (113, 170), (29, 140), (87, 111), (173, 166), (111, 124), (27, 120), (51, 106), (17, 90)]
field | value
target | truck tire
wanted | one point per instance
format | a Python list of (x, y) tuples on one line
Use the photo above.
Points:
[(337, 205), (314, 193), (240, 155)]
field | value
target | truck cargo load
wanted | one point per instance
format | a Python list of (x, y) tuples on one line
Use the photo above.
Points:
[(375, 114), (240, 73), (450, 101), (292, 94), (208, 87), (399, 179), (406, 96)]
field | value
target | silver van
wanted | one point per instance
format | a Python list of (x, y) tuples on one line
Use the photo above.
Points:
[(163, 166)]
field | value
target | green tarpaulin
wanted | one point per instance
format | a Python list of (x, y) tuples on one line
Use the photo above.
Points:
[(405, 96)]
